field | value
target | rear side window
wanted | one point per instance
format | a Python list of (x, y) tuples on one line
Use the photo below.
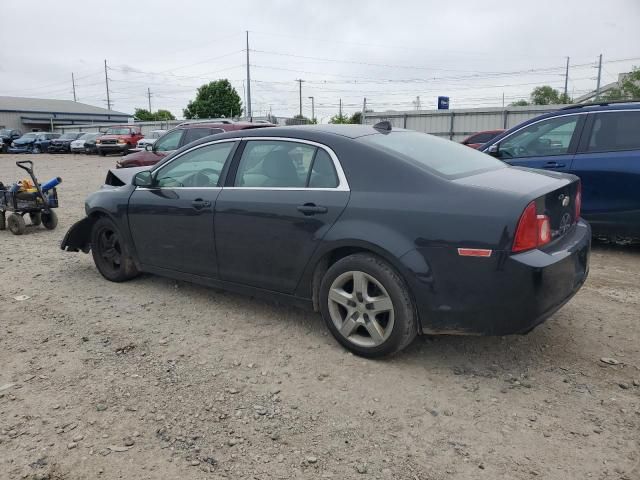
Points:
[(615, 131), (193, 134), (440, 156)]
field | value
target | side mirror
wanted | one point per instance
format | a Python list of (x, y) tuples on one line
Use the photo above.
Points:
[(494, 150), (143, 179), (148, 147)]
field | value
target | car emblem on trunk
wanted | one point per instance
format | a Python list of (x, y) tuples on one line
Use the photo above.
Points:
[(565, 223), (565, 199)]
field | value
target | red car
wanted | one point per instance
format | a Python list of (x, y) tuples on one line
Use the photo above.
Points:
[(182, 135), (478, 139), (118, 139)]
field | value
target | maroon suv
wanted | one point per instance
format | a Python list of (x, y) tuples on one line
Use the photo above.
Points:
[(178, 137)]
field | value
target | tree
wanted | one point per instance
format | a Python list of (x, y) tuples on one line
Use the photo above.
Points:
[(629, 88), (519, 103), (298, 120), (356, 118), (215, 99), (147, 116), (546, 95), (339, 119)]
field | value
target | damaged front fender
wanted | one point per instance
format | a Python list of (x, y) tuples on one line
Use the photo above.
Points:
[(78, 238)]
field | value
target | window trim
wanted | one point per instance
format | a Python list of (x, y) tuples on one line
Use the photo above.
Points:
[(343, 184)]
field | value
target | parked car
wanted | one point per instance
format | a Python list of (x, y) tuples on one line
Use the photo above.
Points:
[(33, 142), (387, 233), (149, 139), (600, 143), (118, 139), (8, 135), (478, 139), (86, 143), (183, 134), (62, 144)]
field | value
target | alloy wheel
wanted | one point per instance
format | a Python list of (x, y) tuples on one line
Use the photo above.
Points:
[(110, 249), (361, 309)]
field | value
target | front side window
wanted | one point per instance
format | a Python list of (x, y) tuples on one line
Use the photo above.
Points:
[(615, 131), (169, 142), (198, 168), (548, 137), (275, 163)]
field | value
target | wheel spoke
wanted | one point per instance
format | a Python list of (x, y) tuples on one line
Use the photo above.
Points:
[(359, 285), (375, 330), (341, 297), (348, 326), (379, 304)]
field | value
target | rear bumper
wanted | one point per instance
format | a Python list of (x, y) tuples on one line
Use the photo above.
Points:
[(504, 294)]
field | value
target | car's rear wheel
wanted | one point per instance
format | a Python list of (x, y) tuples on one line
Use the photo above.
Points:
[(367, 306), (110, 253)]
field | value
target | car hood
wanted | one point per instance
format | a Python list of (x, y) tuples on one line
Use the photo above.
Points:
[(122, 176), (26, 141), (77, 142), (517, 180)]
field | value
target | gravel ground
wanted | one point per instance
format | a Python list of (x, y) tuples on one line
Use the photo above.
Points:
[(158, 379)]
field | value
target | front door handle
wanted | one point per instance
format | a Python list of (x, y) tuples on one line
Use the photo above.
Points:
[(199, 204), (311, 209), (553, 165)]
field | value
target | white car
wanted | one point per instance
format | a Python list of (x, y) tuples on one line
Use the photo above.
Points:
[(149, 139), (86, 143)]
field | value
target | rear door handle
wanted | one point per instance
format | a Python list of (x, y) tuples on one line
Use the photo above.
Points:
[(311, 209), (553, 165), (199, 204)]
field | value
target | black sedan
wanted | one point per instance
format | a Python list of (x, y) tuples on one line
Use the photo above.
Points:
[(388, 233)]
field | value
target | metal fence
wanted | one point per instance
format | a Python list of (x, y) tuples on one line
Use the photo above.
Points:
[(458, 124)]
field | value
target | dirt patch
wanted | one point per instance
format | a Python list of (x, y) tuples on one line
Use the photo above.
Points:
[(157, 379)]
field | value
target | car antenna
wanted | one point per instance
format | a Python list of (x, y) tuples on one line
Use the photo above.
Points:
[(384, 126)]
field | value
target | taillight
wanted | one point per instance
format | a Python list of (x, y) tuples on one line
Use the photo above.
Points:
[(533, 230), (578, 201)]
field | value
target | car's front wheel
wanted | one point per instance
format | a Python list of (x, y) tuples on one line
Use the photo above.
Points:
[(36, 149), (110, 253), (367, 306)]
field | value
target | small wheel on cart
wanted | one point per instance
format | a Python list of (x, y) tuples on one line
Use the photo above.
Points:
[(36, 218), (16, 224), (3, 221), (49, 219)]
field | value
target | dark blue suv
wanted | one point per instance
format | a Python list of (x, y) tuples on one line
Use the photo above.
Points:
[(600, 143)]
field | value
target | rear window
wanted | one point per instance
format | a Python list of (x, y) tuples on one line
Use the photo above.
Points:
[(442, 157), (482, 137), (194, 134)]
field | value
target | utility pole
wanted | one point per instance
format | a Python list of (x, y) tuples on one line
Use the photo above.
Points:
[(313, 108), (106, 81), (248, 81), (566, 81), (300, 90), (340, 111), (149, 97), (73, 83), (364, 110), (599, 76)]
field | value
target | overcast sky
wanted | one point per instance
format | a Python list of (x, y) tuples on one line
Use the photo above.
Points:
[(387, 51)]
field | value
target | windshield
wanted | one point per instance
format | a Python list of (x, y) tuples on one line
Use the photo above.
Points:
[(117, 131), (69, 136), (440, 156), (29, 136), (157, 133), (88, 136), (4, 131)]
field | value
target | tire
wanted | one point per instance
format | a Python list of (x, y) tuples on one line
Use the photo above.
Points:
[(16, 224), (110, 253), (377, 323), (49, 220), (36, 149), (102, 153), (36, 218), (3, 221)]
